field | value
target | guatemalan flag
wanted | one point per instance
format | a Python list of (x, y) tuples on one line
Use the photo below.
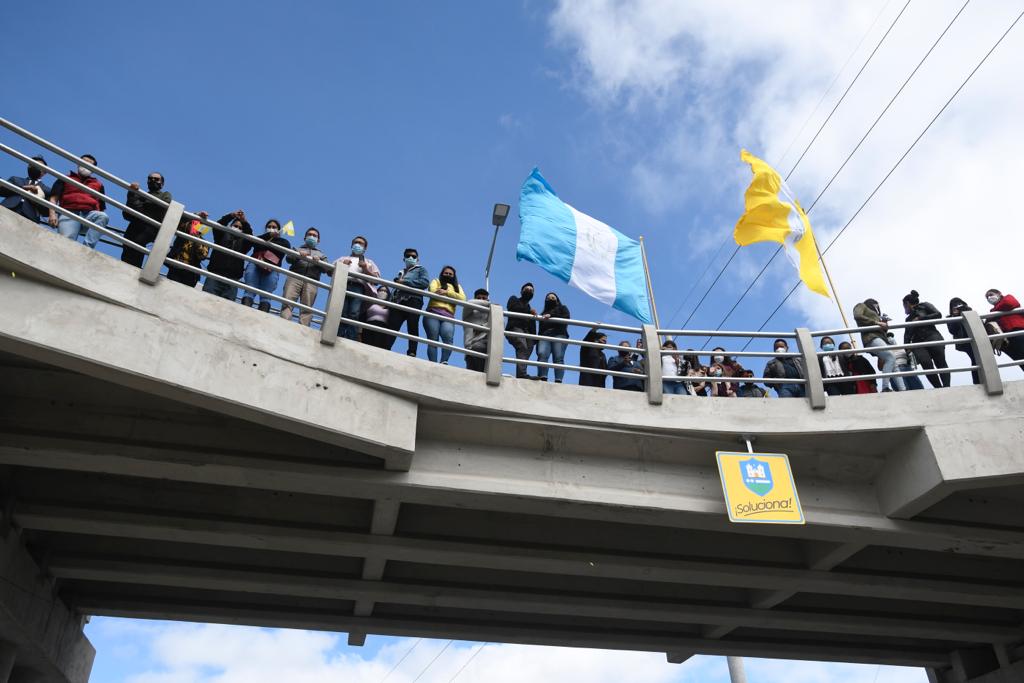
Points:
[(581, 250)]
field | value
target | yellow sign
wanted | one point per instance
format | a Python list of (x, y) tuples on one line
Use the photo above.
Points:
[(759, 488)]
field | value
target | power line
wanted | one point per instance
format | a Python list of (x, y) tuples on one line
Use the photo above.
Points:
[(846, 160), (809, 144), (845, 92), (893, 169), (471, 658), (697, 282), (399, 662), (431, 663)]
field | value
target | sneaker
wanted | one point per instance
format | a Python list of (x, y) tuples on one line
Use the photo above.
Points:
[(410, 353), (444, 362), (558, 381)]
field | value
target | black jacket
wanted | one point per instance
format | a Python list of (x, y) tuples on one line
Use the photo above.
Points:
[(517, 305), (957, 330), (924, 333), (225, 264), (272, 241), (553, 329), (593, 358), (139, 201), (310, 267), (26, 207)]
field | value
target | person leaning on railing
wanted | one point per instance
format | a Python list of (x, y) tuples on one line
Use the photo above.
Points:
[(626, 361), (79, 202), (187, 251), (1013, 322), (671, 366), (377, 314), (859, 369), (730, 367), (928, 356), (476, 340), (228, 265), (593, 357), (413, 275), (869, 314), (139, 231), (957, 330), (33, 182), (721, 389), (260, 277), (785, 367), (522, 346), (310, 262), (832, 366), (691, 367), (749, 389), (547, 348), (357, 262), (446, 284)]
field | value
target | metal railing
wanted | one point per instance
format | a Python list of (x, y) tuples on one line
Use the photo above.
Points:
[(498, 325)]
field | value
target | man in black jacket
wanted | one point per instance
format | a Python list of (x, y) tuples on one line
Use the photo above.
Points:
[(138, 230), (33, 183), (225, 264), (523, 347)]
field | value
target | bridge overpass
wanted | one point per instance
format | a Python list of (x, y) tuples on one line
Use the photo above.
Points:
[(169, 454)]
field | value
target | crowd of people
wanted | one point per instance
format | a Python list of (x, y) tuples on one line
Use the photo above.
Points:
[(683, 372)]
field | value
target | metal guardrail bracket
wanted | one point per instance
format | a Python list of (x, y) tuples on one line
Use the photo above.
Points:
[(495, 345), (655, 391), (335, 303), (814, 387), (984, 354), (162, 244)]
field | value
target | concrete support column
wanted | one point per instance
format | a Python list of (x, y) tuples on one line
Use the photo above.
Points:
[(653, 365), (22, 675), (495, 345), (814, 389), (335, 302), (162, 244), (736, 672), (8, 655), (984, 356)]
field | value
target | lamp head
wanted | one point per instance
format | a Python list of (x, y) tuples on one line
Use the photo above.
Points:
[(500, 215)]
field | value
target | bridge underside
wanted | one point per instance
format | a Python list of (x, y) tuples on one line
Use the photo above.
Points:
[(555, 515)]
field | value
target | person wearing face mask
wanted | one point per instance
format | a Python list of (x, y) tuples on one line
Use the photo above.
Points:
[(262, 276), (748, 389), (187, 251), (357, 262), (869, 314), (446, 284), (832, 366), (730, 367), (671, 366), (958, 330), (523, 347), (691, 367), (1013, 322), (905, 362), (593, 357), (548, 327), (80, 203), (377, 314), (625, 361), (416, 276), (928, 356), (139, 231), (721, 389), (476, 340), (32, 183), (224, 263), (858, 368), (785, 367), (310, 263)]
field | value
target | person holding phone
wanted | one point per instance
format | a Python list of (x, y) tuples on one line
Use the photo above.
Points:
[(446, 284), (357, 262), (262, 277), (309, 263), (32, 183)]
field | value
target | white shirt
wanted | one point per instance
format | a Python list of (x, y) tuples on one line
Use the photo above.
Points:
[(669, 366)]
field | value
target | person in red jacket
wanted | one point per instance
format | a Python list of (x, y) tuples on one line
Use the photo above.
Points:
[(81, 203), (1014, 322)]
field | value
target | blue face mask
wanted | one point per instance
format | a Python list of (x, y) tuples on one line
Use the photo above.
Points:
[(358, 249), (828, 347), (410, 260), (311, 241)]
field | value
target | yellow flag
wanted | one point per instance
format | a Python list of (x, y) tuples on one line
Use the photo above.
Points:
[(774, 215), (289, 229)]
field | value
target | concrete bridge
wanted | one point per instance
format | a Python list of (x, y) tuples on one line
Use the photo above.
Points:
[(169, 454)]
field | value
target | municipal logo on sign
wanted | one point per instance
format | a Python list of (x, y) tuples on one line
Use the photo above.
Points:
[(757, 476), (759, 488)]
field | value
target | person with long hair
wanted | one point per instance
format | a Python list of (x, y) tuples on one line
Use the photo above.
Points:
[(691, 367), (1014, 322), (927, 356), (549, 327), (593, 357), (958, 330), (447, 284), (859, 370), (671, 366)]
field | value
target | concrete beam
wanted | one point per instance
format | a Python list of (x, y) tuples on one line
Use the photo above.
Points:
[(288, 538), (385, 518), (678, 657), (511, 633)]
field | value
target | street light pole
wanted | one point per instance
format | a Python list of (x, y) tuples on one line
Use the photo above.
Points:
[(736, 672), (497, 220)]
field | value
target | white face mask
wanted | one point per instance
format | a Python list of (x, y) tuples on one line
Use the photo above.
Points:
[(719, 359), (993, 299), (780, 349), (83, 172)]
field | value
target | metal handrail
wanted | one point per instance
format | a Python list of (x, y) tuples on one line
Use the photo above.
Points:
[(413, 337), (418, 311), (572, 321), (729, 354), (734, 380), (236, 283), (911, 346), (890, 325), (568, 340), (725, 333), (467, 303), (1006, 335), (577, 368), (902, 373), (991, 315)]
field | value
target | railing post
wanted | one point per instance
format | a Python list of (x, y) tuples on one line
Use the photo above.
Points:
[(815, 388), (653, 364), (162, 243), (984, 354), (495, 345), (335, 303)]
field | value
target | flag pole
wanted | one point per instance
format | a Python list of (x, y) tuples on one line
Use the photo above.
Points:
[(832, 285), (650, 287)]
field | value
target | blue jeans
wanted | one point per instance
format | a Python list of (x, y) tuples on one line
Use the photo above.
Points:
[(888, 358), (221, 289), (439, 328), (351, 309), (789, 390), (70, 228), (673, 387), (556, 352), (258, 278), (912, 383)]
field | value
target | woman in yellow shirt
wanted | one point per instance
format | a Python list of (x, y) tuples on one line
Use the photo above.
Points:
[(447, 284)]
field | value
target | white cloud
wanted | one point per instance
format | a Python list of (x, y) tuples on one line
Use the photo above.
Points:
[(733, 74)]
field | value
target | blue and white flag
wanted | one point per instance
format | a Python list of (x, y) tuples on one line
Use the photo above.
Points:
[(581, 250)]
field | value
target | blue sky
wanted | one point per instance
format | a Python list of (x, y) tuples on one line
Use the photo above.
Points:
[(406, 122)]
